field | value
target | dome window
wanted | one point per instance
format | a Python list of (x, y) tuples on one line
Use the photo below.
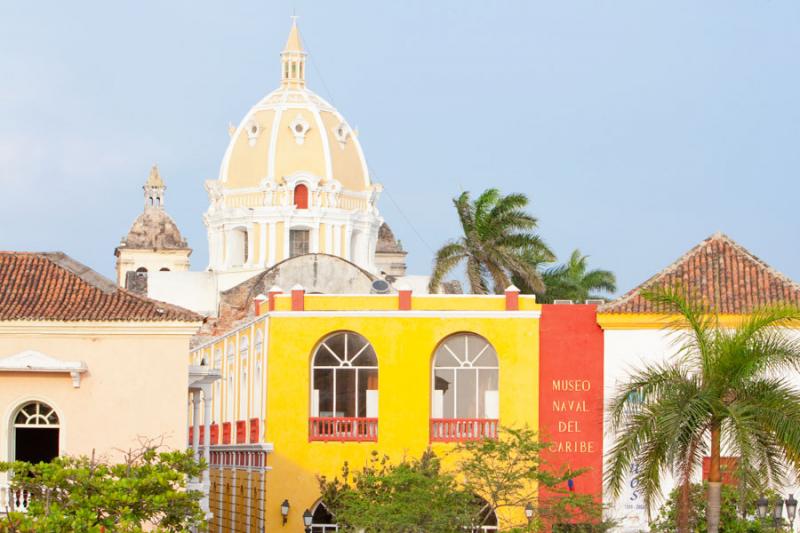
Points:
[(253, 129), (299, 127), (301, 196), (342, 133)]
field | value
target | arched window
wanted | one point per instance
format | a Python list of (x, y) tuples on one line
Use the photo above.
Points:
[(464, 400), (322, 521), (237, 247), (244, 349), (487, 518), (344, 389), (301, 196), (163, 269), (36, 433), (141, 270)]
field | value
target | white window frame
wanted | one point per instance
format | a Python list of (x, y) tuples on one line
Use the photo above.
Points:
[(464, 363), (345, 363)]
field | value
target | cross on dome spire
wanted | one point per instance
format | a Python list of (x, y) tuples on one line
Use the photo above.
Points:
[(293, 59)]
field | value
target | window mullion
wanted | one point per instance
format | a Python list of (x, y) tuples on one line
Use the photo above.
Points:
[(335, 371)]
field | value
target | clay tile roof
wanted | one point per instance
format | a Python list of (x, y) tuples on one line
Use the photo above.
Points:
[(728, 278), (53, 286)]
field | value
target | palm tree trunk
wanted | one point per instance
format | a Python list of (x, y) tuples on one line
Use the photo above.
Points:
[(714, 481), (683, 508)]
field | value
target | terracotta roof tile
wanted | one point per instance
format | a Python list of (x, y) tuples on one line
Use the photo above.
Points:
[(52, 286), (724, 274)]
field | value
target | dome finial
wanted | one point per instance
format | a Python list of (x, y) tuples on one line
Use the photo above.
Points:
[(154, 189), (293, 59)]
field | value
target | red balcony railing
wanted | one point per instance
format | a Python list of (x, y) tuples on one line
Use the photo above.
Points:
[(343, 429), (461, 429)]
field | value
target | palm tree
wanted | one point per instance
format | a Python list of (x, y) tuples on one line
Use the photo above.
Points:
[(497, 233), (574, 281), (726, 387)]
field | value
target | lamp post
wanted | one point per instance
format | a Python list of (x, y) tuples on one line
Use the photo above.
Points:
[(307, 519), (529, 513), (777, 512), (761, 507), (791, 510), (285, 511)]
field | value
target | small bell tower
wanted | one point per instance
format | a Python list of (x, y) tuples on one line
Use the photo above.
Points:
[(293, 60)]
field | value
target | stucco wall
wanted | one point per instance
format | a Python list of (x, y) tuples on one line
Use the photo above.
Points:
[(136, 385)]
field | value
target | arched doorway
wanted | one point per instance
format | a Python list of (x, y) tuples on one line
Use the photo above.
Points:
[(322, 521), (36, 433)]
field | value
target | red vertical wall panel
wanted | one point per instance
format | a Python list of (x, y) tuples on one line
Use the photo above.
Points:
[(571, 392)]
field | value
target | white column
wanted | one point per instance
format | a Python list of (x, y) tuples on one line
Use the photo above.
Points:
[(272, 245), (285, 239), (262, 249), (196, 423), (348, 233), (337, 240), (250, 246), (315, 239)]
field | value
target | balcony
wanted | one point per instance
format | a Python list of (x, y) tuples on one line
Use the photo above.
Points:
[(343, 429), (463, 429), (13, 501)]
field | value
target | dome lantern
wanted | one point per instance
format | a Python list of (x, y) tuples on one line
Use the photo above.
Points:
[(154, 190), (293, 60)]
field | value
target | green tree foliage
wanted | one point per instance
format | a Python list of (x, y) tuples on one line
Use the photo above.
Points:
[(497, 238), (507, 471), (732, 520), (146, 492), (726, 385), (574, 281), (413, 495), (418, 495)]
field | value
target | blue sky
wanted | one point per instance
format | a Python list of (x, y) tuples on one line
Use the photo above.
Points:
[(637, 128)]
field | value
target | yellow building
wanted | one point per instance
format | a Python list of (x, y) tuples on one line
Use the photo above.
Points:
[(317, 380), (294, 180)]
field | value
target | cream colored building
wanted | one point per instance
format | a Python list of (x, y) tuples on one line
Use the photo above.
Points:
[(294, 180), (85, 365), (293, 191)]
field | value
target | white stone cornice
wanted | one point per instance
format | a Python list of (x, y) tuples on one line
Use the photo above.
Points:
[(33, 361), (36, 327)]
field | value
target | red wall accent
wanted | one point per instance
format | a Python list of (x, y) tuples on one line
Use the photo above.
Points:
[(226, 433), (253, 430), (727, 466), (191, 435), (298, 300), (404, 300), (571, 392), (241, 431), (301, 196), (214, 433)]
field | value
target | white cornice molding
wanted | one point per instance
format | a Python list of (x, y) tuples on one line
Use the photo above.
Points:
[(33, 361), (36, 327)]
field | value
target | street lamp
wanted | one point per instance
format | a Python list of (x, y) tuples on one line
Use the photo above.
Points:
[(307, 519), (777, 512), (791, 509), (285, 510), (761, 507), (529, 512)]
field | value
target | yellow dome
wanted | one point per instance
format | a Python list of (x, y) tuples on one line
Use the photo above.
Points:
[(293, 131)]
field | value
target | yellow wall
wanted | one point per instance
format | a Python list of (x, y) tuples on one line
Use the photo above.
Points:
[(404, 347), (248, 164)]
